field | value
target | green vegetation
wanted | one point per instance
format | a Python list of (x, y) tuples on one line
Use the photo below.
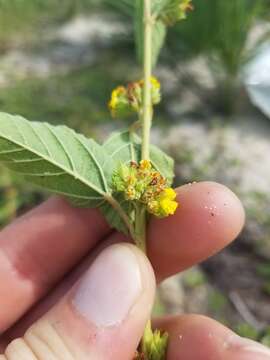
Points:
[(220, 31), (23, 21), (194, 277), (248, 331), (77, 98)]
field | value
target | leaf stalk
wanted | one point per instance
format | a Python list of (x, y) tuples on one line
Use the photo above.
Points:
[(115, 204)]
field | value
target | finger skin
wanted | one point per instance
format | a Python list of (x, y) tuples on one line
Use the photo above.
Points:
[(87, 325), (38, 249), (179, 241), (208, 218), (198, 337)]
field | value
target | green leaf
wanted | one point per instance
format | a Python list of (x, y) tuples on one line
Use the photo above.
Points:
[(159, 5), (124, 147), (158, 33), (113, 217), (56, 158), (162, 163)]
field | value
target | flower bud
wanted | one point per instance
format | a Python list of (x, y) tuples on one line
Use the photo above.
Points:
[(143, 184), (175, 11), (155, 90), (128, 100), (119, 103)]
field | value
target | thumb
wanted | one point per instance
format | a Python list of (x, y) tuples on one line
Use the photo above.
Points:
[(102, 317)]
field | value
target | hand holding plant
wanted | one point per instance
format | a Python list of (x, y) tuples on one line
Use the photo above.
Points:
[(128, 180)]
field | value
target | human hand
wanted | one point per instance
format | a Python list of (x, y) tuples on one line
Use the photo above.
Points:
[(100, 308)]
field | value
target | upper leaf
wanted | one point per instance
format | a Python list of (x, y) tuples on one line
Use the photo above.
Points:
[(124, 147), (56, 158)]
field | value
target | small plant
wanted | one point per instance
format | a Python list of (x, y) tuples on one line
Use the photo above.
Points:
[(127, 178)]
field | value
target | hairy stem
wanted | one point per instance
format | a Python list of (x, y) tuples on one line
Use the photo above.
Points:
[(147, 101), (140, 227), (140, 218)]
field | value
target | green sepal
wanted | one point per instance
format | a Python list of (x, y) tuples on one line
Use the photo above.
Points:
[(154, 344)]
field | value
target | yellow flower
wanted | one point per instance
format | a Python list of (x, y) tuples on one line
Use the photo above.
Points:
[(169, 193), (166, 202), (116, 94), (155, 83), (168, 206), (128, 100), (164, 205), (140, 182), (145, 165), (119, 103)]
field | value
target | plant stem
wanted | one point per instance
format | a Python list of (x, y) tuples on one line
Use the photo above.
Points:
[(140, 227), (147, 101), (146, 116), (140, 217), (115, 204)]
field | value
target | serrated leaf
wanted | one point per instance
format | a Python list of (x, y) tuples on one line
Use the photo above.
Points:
[(56, 158), (124, 147), (158, 33), (162, 163)]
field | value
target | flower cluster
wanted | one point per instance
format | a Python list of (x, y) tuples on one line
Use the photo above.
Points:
[(127, 100), (175, 11), (142, 183)]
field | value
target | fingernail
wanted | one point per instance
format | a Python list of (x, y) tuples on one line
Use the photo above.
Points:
[(249, 348), (110, 287)]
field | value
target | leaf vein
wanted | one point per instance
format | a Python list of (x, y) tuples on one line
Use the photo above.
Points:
[(39, 138), (70, 160), (22, 160), (45, 174), (68, 171), (95, 161), (19, 130), (11, 151)]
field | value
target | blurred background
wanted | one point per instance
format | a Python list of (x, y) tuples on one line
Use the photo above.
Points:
[(60, 63)]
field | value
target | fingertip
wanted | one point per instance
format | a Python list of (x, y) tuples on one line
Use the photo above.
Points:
[(198, 337), (208, 218), (194, 337), (213, 205)]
